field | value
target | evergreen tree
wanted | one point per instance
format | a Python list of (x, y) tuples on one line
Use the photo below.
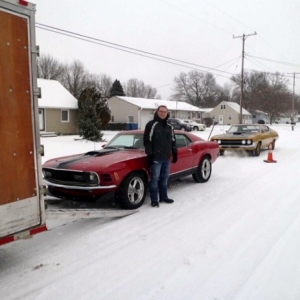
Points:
[(116, 89), (103, 112), (90, 108)]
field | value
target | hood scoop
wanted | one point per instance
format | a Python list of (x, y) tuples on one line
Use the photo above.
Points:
[(100, 152), (65, 164)]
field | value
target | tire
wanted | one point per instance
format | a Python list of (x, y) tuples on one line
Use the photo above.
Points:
[(183, 128), (273, 144), (132, 192), (257, 151), (203, 172), (195, 128), (221, 152)]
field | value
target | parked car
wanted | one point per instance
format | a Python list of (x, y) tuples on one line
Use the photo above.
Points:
[(121, 168), (195, 126), (248, 137), (180, 124)]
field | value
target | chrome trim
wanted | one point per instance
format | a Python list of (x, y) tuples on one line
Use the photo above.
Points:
[(79, 187)]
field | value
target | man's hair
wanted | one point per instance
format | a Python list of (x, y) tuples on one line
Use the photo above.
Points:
[(160, 107)]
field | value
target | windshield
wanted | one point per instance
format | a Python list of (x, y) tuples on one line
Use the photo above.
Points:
[(244, 128), (133, 141)]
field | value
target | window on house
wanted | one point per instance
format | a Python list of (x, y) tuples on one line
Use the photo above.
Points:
[(130, 119), (223, 106), (65, 116)]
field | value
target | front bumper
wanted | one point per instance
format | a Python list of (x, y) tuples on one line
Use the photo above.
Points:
[(74, 187)]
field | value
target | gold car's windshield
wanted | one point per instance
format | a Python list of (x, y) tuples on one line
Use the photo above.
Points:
[(244, 129)]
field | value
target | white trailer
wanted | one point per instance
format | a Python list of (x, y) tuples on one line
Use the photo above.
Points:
[(22, 205)]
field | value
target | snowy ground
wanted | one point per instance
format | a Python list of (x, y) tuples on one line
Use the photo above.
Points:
[(234, 237)]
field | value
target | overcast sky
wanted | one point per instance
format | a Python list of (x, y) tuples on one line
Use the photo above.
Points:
[(199, 32)]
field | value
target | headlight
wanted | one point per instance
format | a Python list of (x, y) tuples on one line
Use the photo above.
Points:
[(243, 142), (93, 177), (219, 142), (47, 173), (249, 142)]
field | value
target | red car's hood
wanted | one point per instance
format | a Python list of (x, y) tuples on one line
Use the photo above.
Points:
[(94, 160)]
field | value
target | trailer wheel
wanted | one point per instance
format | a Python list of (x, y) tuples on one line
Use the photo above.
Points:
[(204, 170), (132, 192)]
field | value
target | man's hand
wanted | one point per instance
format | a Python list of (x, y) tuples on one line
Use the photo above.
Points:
[(174, 155)]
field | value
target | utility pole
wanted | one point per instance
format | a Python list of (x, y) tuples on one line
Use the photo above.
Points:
[(243, 37), (293, 102)]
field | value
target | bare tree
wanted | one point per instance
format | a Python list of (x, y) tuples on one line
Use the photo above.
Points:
[(49, 67), (75, 78), (197, 88), (137, 88), (266, 92), (102, 82)]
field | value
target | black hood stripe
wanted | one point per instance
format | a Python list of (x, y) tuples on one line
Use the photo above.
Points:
[(66, 164)]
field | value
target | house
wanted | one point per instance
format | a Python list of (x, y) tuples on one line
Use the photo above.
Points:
[(228, 113), (58, 108), (141, 110), (259, 115)]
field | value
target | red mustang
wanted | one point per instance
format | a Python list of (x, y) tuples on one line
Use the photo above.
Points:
[(121, 168)]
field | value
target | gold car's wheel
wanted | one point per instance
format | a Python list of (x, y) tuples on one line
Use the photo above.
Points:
[(273, 144), (257, 151)]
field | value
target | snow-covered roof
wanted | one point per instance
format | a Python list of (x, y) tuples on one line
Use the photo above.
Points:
[(154, 103), (55, 95), (207, 110), (236, 107)]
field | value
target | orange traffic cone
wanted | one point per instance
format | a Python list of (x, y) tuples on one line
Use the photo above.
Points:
[(270, 155)]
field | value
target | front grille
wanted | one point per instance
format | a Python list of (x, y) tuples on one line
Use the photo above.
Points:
[(69, 177), (231, 143)]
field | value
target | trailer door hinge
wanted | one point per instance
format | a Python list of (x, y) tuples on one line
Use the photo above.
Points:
[(43, 190), (38, 92), (36, 50), (41, 150)]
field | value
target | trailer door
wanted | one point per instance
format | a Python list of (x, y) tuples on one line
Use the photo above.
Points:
[(19, 192)]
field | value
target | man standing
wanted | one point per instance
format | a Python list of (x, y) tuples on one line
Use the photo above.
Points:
[(160, 145)]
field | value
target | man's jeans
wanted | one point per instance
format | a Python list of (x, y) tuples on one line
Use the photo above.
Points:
[(160, 170)]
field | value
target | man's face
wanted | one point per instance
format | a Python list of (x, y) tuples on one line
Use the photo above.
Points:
[(162, 112)]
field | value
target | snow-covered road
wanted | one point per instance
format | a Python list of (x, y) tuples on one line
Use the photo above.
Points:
[(234, 237)]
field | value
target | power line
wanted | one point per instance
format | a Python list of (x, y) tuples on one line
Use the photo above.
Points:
[(126, 49), (293, 101), (276, 61), (243, 37), (191, 15)]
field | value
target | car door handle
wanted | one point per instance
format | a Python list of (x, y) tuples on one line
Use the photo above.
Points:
[(189, 149)]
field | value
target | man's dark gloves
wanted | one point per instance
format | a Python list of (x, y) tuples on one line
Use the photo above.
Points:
[(174, 155), (149, 153), (150, 159)]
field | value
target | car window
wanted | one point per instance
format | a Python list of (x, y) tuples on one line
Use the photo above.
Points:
[(127, 140), (233, 129), (182, 140)]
